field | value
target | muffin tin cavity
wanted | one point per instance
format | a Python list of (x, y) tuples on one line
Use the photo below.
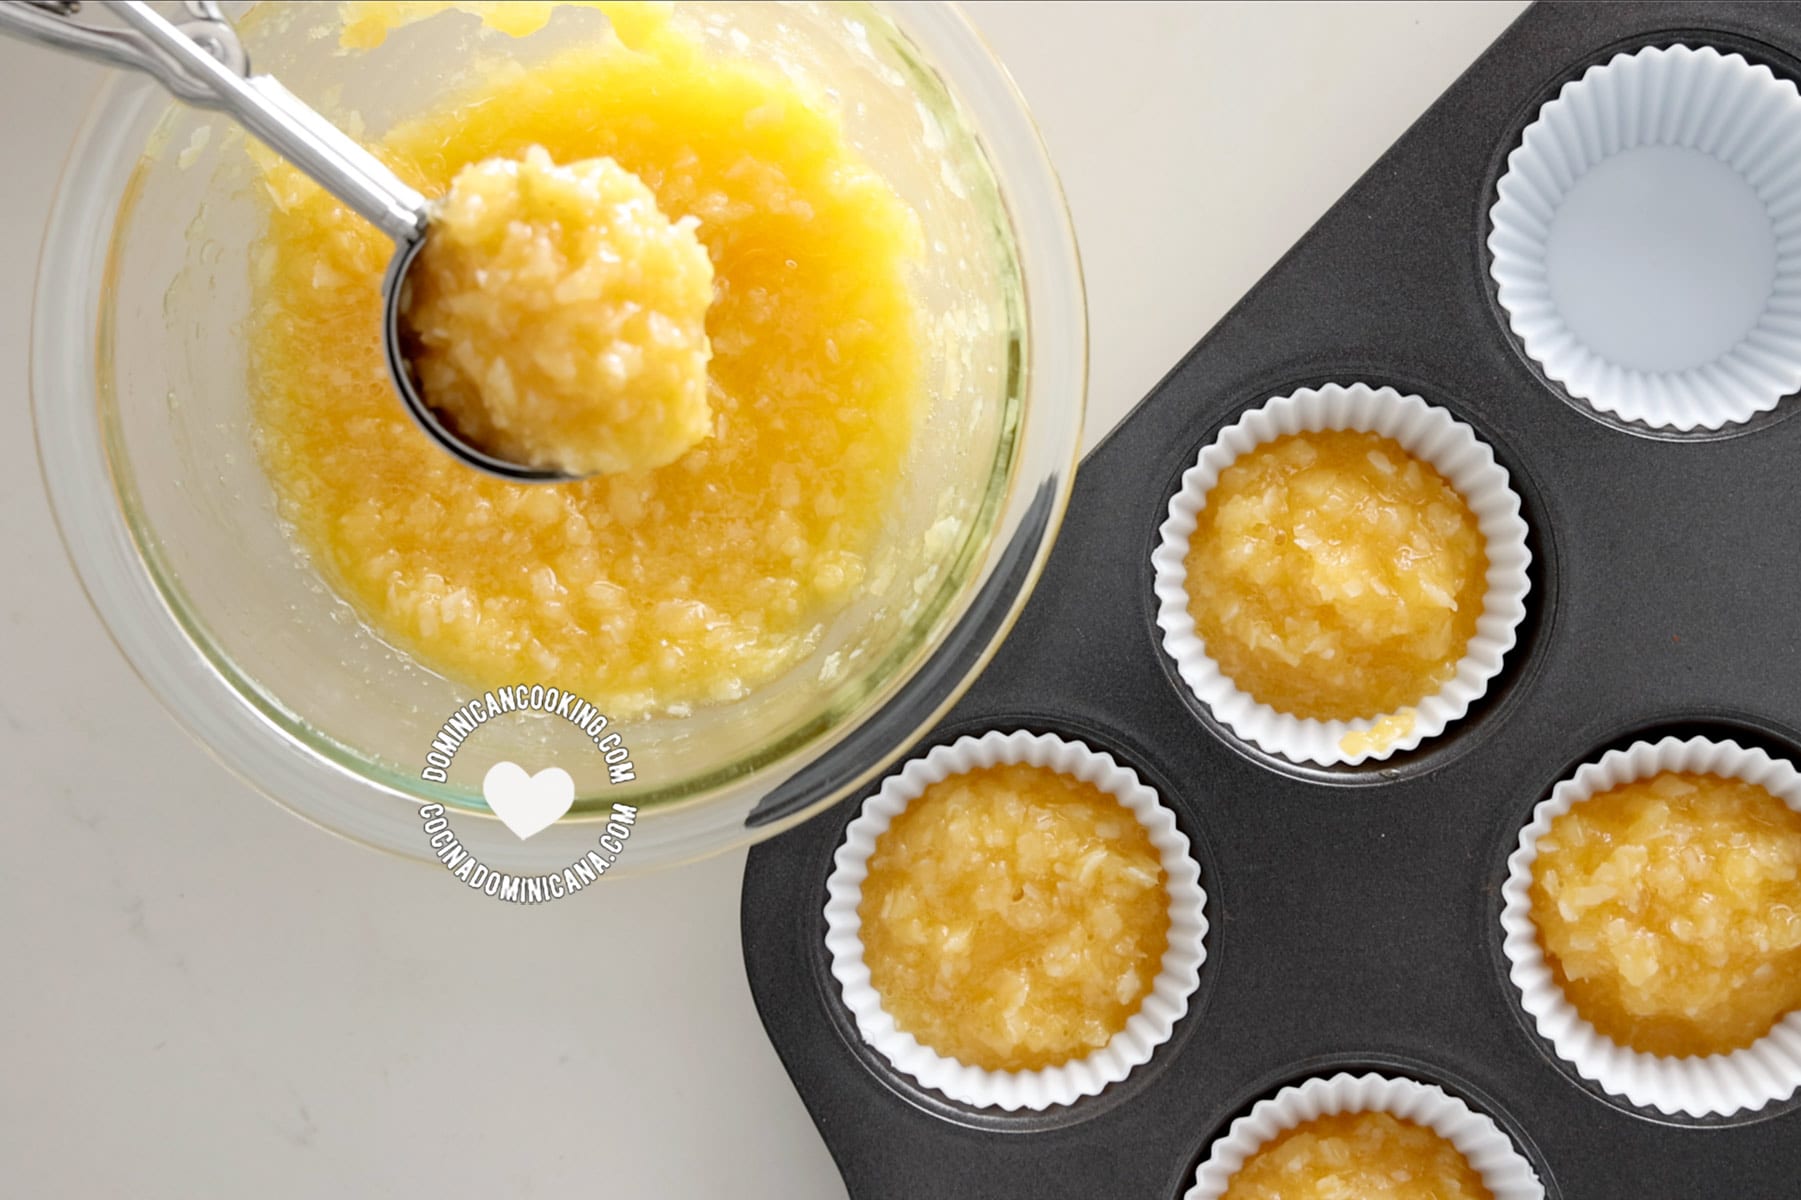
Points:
[(1744, 1086), (1013, 1102), (1524, 598), (1160, 1008), (1502, 1169), (1646, 238), (1434, 438)]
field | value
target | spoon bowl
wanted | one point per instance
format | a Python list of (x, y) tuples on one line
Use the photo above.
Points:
[(405, 381)]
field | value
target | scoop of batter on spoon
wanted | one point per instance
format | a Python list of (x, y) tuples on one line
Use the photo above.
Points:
[(556, 317)]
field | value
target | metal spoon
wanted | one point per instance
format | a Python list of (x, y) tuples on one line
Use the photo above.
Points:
[(200, 60)]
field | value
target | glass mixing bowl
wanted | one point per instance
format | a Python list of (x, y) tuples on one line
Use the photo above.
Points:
[(145, 436)]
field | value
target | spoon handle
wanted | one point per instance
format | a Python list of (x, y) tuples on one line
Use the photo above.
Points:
[(202, 62)]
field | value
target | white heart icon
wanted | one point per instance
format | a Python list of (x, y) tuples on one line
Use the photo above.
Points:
[(527, 804)]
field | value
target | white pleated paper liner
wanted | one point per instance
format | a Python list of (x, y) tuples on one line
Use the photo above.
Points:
[(1490, 1152), (1768, 1070), (1037, 1090), (1430, 434), (1647, 238)]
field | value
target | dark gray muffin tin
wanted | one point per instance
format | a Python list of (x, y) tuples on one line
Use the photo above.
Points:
[(1355, 911)]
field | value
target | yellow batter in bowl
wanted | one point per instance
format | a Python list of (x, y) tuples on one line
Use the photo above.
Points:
[(648, 590)]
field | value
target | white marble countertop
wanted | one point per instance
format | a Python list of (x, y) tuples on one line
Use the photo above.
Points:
[(201, 996)]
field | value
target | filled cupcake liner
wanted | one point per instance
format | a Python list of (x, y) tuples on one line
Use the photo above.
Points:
[(1036, 1090), (1489, 1151), (1432, 435), (1694, 98), (1768, 1070)]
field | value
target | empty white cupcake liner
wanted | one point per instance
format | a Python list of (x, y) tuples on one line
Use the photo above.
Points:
[(1427, 432), (1768, 1070), (1148, 1028), (1489, 1151), (1694, 98)]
